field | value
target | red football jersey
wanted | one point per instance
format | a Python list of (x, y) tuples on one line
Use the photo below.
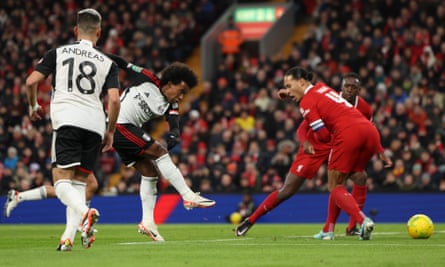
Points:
[(361, 105), (322, 106)]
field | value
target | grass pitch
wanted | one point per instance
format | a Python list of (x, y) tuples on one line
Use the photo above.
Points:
[(214, 245)]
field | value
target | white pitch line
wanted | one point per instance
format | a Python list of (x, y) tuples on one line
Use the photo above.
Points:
[(230, 241), (186, 241)]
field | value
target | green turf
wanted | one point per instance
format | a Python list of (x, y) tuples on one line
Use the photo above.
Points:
[(214, 245)]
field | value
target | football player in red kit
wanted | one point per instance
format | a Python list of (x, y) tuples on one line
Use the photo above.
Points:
[(312, 153), (349, 90), (354, 138)]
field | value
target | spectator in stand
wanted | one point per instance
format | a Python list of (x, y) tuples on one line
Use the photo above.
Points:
[(231, 39)]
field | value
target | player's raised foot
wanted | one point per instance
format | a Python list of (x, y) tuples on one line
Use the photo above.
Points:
[(352, 232), (65, 245), (324, 235), (151, 230), (197, 201), (242, 228), (87, 233), (366, 229), (11, 202)]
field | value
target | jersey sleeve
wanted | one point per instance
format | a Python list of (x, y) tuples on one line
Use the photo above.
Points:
[(121, 63), (47, 64), (302, 130), (310, 114), (172, 118), (136, 73), (112, 80), (365, 108), (309, 111)]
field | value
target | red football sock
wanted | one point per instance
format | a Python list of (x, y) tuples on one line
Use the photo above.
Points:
[(347, 203), (333, 213), (359, 194), (267, 205)]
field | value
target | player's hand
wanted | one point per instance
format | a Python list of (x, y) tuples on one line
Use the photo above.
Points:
[(108, 141), (308, 148), (35, 112), (172, 140), (283, 93), (387, 161)]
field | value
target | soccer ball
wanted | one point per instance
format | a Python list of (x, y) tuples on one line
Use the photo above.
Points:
[(235, 217), (420, 226)]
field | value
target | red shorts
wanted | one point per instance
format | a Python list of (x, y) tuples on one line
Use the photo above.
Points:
[(307, 165), (353, 148)]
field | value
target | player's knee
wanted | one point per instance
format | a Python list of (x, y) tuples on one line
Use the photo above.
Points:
[(359, 178), (92, 186), (155, 150), (287, 191)]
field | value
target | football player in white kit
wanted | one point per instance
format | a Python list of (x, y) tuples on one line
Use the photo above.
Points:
[(148, 98), (81, 73)]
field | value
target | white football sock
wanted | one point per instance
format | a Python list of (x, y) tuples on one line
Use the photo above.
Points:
[(72, 218), (172, 174), (148, 193), (33, 194), (70, 196)]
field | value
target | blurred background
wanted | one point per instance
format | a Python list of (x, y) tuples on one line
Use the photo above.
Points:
[(236, 136)]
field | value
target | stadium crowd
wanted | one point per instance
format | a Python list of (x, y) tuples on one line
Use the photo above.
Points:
[(236, 135)]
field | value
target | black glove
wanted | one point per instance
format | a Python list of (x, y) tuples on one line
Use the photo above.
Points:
[(172, 140)]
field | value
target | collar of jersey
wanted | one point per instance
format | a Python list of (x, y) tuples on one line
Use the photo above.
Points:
[(308, 88), (86, 42)]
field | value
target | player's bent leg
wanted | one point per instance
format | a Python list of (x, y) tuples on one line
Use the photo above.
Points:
[(359, 191), (291, 185), (92, 186), (347, 203), (171, 172), (148, 193), (327, 233)]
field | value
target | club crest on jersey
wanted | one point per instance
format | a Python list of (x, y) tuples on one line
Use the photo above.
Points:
[(163, 108), (304, 112)]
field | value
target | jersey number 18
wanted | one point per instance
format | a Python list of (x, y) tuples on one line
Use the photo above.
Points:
[(87, 71)]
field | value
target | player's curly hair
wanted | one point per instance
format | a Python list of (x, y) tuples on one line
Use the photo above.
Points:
[(178, 72)]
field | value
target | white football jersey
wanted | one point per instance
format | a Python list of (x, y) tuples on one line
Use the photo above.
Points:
[(81, 74), (142, 103)]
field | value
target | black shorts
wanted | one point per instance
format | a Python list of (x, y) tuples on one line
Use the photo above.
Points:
[(130, 142), (73, 146)]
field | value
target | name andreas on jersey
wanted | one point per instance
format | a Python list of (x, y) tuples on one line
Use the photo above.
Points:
[(142, 103), (83, 53)]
